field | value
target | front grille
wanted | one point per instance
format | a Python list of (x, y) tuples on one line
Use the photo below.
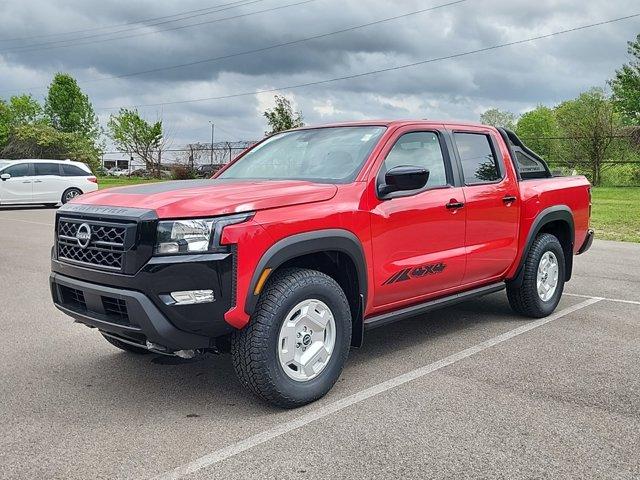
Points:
[(105, 248), (116, 310)]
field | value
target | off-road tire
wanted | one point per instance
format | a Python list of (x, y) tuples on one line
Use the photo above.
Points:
[(125, 346), (254, 348), (524, 299)]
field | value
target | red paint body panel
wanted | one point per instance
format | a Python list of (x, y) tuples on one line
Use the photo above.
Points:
[(202, 200), (479, 244)]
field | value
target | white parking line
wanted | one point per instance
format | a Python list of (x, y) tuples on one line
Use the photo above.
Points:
[(619, 300), (279, 430)]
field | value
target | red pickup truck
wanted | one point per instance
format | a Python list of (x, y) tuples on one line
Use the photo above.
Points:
[(314, 236)]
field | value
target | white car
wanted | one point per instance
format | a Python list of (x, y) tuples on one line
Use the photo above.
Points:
[(47, 182)]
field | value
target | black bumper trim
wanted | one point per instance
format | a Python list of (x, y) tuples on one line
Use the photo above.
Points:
[(146, 319), (586, 245)]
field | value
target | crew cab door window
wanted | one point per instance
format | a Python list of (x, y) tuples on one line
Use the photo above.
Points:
[(479, 162), (418, 149)]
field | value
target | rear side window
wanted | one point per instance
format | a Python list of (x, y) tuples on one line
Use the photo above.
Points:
[(47, 168), (479, 163), (528, 166), (418, 149), (20, 170), (73, 171)]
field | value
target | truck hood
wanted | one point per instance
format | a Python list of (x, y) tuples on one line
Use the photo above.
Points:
[(206, 198)]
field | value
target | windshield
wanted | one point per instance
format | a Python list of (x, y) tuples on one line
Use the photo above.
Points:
[(326, 155), (4, 164)]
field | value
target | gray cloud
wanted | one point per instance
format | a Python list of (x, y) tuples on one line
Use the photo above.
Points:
[(517, 77)]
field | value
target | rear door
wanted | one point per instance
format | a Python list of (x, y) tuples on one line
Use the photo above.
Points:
[(417, 237), (491, 204), (48, 183), (18, 188)]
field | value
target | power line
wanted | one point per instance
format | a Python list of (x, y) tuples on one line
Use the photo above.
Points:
[(134, 22), (383, 70), (54, 45), (270, 47)]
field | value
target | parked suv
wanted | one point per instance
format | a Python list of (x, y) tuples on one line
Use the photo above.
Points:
[(314, 236), (47, 182)]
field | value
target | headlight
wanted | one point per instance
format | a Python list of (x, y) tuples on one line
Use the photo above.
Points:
[(194, 235)]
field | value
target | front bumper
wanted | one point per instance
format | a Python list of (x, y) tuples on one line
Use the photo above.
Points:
[(137, 307)]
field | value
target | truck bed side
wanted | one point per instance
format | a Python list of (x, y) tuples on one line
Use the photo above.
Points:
[(536, 195)]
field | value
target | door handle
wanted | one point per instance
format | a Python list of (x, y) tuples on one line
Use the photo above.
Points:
[(37, 181), (454, 205), (509, 199), (26, 181)]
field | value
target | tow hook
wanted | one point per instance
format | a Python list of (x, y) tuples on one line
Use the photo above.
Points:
[(157, 348)]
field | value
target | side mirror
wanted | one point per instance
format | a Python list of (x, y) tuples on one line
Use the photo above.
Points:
[(5, 176), (404, 178)]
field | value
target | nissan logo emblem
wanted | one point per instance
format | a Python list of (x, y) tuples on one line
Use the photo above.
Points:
[(83, 235)]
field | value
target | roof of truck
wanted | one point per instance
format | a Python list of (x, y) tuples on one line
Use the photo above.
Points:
[(391, 123)]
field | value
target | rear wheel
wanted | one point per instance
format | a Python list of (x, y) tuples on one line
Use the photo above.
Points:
[(69, 194), (543, 282), (125, 346), (293, 350)]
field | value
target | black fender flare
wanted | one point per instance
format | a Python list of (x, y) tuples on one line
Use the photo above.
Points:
[(312, 242), (546, 216)]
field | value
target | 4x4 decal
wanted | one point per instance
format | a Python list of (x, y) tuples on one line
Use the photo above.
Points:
[(415, 272)]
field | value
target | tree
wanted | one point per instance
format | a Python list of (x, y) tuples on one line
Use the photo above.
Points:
[(20, 110), (539, 130), (69, 110), (40, 140), (282, 117), (626, 86), (590, 124), (5, 123), (498, 118), (133, 135)]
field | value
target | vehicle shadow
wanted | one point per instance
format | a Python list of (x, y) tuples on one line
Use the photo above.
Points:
[(141, 381)]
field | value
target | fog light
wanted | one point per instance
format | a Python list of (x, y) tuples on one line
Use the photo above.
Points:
[(189, 297)]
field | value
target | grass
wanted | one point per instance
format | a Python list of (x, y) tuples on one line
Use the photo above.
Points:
[(107, 182), (616, 213)]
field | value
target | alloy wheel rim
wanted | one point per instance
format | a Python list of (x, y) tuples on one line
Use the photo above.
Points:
[(547, 278), (72, 194), (307, 340)]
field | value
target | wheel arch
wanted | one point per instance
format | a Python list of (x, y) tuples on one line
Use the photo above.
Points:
[(336, 252), (558, 221)]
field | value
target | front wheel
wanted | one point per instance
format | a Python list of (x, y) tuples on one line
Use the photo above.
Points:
[(297, 342), (543, 282)]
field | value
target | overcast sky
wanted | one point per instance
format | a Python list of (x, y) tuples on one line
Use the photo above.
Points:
[(111, 38)]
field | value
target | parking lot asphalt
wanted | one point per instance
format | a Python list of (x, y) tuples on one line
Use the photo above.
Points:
[(471, 391)]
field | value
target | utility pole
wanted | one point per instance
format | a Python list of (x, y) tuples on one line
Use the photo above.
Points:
[(212, 130)]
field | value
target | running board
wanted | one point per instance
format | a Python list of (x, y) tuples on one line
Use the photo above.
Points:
[(386, 318)]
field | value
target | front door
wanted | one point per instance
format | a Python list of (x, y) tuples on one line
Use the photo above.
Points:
[(18, 188), (417, 236)]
